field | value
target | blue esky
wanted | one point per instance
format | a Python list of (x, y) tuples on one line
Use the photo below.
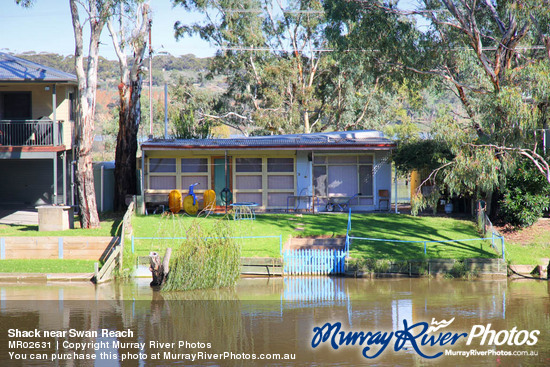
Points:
[(47, 26)]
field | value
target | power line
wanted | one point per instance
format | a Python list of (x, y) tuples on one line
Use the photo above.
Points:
[(252, 48), (259, 10)]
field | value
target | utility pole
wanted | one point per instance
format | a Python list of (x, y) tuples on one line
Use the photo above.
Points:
[(150, 82)]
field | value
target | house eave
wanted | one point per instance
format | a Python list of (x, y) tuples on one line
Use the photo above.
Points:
[(37, 81), (274, 147)]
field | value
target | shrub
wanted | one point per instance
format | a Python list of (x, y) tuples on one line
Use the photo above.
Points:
[(460, 270), (208, 258), (525, 197)]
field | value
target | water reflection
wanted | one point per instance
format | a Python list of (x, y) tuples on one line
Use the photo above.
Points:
[(314, 289), (264, 315)]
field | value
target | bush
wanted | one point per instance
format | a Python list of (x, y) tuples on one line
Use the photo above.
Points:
[(525, 197), (460, 270), (208, 258)]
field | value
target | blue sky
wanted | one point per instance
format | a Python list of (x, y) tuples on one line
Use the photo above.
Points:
[(47, 26)]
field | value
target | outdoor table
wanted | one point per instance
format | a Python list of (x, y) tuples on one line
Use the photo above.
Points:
[(244, 210)]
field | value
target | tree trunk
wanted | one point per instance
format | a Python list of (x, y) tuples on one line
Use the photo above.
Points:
[(129, 89), (126, 147), (159, 271), (87, 86), (84, 175)]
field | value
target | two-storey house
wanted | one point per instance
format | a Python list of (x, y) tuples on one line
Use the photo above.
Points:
[(37, 121)]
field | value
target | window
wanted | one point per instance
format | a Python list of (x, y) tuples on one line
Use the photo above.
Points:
[(280, 182), (248, 165), (266, 181), (16, 106), (343, 175), (163, 182), (162, 165), (320, 180), (249, 182), (248, 187), (342, 180), (280, 165), (194, 165), (365, 180), (72, 106)]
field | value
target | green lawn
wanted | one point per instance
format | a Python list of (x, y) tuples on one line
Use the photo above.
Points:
[(529, 246), (46, 266), (109, 225), (531, 254), (384, 226)]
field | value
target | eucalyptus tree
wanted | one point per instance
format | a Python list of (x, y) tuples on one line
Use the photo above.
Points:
[(86, 66), (492, 56), (129, 34), (272, 54), (96, 13)]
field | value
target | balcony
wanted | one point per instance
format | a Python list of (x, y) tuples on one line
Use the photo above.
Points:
[(43, 132)]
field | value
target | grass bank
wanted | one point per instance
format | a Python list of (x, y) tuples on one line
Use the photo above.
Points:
[(386, 226), (529, 246), (46, 266), (108, 226), (535, 253)]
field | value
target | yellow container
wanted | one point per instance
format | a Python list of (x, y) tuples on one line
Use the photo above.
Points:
[(188, 205), (209, 200), (174, 201)]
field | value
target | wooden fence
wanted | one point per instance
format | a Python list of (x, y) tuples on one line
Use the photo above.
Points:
[(82, 248)]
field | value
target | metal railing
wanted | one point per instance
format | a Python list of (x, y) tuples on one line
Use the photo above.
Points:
[(279, 237), (489, 232), (493, 236), (31, 132)]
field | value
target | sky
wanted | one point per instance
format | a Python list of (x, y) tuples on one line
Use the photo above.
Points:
[(47, 27)]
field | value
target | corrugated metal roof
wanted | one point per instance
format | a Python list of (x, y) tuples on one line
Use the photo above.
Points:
[(15, 69), (351, 139)]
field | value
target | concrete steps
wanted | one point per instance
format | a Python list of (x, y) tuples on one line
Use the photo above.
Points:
[(331, 243)]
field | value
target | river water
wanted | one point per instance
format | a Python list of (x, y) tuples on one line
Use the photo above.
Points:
[(271, 321)]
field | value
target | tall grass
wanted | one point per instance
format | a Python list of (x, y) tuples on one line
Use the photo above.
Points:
[(208, 258)]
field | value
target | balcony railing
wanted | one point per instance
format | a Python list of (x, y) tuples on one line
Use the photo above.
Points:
[(31, 132)]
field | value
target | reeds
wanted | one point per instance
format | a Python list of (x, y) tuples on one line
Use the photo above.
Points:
[(208, 258)]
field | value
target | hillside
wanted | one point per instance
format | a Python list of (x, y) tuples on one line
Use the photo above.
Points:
[(164, 66)]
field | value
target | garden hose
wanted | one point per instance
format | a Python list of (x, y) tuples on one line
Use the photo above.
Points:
[(226, 196)]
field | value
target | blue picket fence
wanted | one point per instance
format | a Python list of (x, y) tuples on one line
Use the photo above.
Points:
[(315, 262)]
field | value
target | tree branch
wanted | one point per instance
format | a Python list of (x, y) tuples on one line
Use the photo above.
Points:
[(434, 174), (542, 165)]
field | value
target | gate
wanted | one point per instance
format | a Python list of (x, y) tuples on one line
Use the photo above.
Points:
[(315, 262)]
